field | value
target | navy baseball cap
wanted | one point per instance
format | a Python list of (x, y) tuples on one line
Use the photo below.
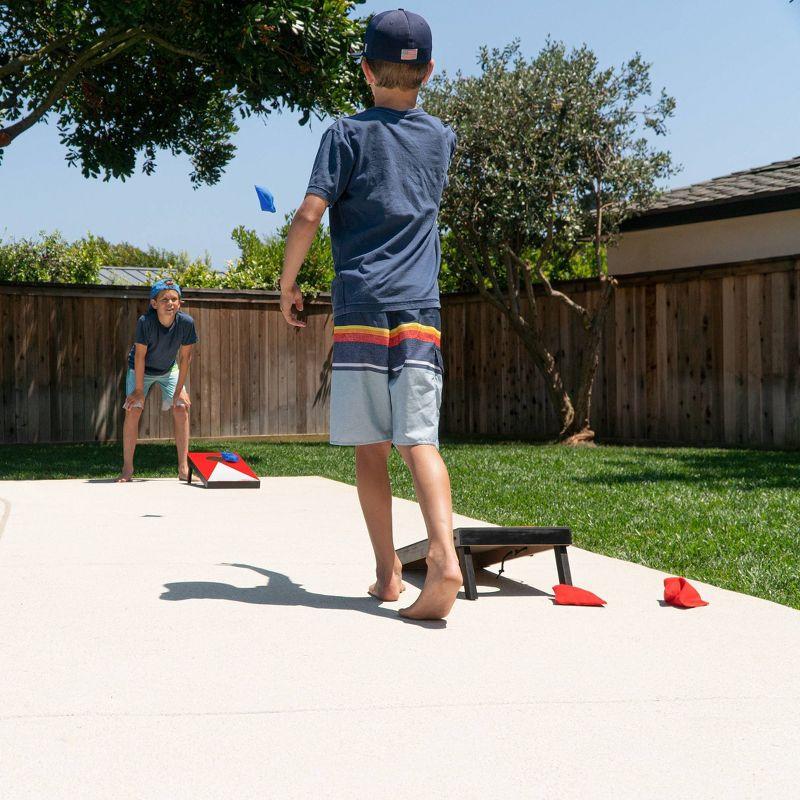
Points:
[(162, 285), (400, 36)]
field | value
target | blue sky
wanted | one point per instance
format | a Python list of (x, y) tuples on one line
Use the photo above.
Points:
[(731, 64)]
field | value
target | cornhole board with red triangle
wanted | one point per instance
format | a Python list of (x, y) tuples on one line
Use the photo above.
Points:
[(216, 473)]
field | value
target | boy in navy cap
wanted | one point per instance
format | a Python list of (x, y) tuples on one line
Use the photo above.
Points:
[(381, 173), (162, 334)]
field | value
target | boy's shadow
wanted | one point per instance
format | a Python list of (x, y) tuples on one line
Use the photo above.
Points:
[(281, 591)]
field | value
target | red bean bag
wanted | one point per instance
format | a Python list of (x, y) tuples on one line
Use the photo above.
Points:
[(680, 593), (573, 596)]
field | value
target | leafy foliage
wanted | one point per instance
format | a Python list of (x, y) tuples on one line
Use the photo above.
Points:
[(553, 154), (542, 145), (125, 254), (51, 259), (261, 261), (129, 78)]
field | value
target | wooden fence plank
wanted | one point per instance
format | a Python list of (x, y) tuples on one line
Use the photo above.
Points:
[(775, 334), (276, 324), (212, 365), (754, 367), (7, 356), (767, 375), (707, 366), (729, 358), (792, 361), (742, 368)]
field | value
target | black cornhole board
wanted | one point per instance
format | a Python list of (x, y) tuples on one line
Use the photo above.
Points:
[(482, 547)]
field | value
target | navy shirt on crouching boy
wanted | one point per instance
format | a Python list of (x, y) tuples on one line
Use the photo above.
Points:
[(162, 343), (382, 173)]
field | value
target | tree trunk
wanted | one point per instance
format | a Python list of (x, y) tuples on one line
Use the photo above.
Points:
[(579, 431), (573, 413), (573, 416), (559, 397)]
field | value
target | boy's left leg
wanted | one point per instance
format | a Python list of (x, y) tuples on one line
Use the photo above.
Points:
[(432, 487), (180, 416), (415, 388)]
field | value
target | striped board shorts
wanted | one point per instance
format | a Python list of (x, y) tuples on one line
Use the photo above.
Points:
[(387, 377)]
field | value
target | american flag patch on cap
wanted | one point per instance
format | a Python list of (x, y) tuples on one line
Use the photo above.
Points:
[(408, 55)]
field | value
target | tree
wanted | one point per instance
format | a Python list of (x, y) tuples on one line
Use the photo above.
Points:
[(552, 155), (129, 77), (51, 259), (258, 266), (261, 261)]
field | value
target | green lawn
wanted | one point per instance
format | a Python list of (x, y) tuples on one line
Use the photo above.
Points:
[(728, 517)]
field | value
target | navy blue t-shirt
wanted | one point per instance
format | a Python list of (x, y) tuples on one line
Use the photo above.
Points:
[(382, 173), (162, 343)]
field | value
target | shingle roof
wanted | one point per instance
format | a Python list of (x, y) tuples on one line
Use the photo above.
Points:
[(780, 176), (773, 187), (125, 276)]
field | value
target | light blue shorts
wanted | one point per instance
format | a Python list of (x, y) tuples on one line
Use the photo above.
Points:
[(386, 380), (168, 382)]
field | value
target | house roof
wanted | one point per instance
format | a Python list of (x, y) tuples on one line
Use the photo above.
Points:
[(125, 276), (773, 187)]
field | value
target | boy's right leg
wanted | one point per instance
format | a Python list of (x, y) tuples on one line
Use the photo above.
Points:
[(375, 496), (130, 433)]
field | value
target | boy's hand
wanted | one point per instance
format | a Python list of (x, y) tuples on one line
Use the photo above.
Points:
[(292, 298), (182, 400), (134, 400)]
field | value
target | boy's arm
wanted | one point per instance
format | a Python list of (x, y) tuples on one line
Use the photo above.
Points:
[(298, 241), (184, 359)]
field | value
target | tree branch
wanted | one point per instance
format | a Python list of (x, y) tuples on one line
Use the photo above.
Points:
[(494, 297), (20, 62), (512, 279), (85, 60), (548, 287), (487, 262), (598, 231), (175, 49)]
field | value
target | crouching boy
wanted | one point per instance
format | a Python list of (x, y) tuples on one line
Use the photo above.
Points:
[(161, 354)]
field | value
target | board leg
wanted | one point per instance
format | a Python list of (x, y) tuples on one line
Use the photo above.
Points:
[(467, 572), (562, 565), (189, 476)]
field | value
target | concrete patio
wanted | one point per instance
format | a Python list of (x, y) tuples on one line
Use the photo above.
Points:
[(165, 641)]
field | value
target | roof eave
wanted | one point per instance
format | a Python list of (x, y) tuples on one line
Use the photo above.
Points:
[(762, 203)]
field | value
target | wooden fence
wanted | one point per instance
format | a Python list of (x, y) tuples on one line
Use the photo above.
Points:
[(64, 351), (696, 356)]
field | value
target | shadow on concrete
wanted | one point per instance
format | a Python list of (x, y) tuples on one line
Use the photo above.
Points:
[(497, 585), (114, 480), (280, 590)]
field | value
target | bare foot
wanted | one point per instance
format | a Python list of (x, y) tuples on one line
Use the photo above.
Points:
[(183, 475), (439, 590), (387, 591), (126, 476)]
